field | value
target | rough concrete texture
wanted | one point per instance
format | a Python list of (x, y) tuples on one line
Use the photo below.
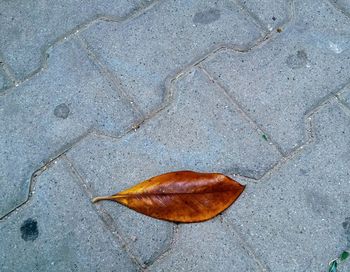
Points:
[(31, 26), (342, 5), (143, 51), (344, 96), (98, 96), (172, 140), (296, 218), (207, 246), (59, 230), (5, 81), (46, 115), (280, 81), (269, 14)]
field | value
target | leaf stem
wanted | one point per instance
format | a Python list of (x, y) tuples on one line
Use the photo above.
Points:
[(98, 198), (112, 197)]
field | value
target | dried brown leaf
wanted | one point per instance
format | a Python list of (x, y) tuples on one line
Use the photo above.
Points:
[(182, 196)]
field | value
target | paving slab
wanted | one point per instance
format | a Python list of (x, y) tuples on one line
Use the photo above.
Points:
[(226, 86), (31, 26), (278, 82), (297, 219), (44, 116), (271, 13), (144, 51), (59, 230), (208, 246), (201, 130)]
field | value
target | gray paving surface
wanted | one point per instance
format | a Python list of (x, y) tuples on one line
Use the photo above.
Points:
[(96, 96), (302, 215), (59, 230), (28, 28), (143, 51), (46, 114)]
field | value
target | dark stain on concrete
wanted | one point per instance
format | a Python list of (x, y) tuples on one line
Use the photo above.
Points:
[(346, 226), (319, 203), (206, 17), (29, 230), (61, 111), (297, 60)]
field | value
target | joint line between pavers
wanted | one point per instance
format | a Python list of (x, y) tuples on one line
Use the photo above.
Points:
[(290, 14), (240, 109), (44, 55), (169, 88), (248, 248), (166, 103), (32, 184), (310, 136), (8, 70), (102, 213), (184, 70), (171, 79), (339, 8), (137, 12), (231, 47), (174, 78), (166, 252), (115, 82), (308, 126), (47, 163), (45, 48), (179, 74), (270, 34), (255, 18), (339, 96), (345, 107)]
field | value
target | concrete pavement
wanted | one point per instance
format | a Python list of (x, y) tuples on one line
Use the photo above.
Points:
[(96, 96)]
